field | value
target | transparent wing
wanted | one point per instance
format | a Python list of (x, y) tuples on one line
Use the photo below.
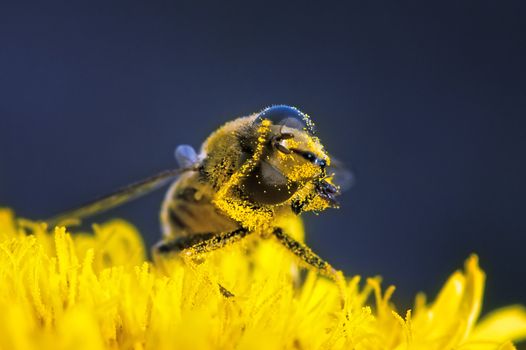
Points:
[(342, 176), (119, 197), (185, 156)]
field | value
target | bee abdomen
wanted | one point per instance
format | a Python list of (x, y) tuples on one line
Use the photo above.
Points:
[(186, 219), (187, 194), (182, 211), (176, 220), (188, 209)]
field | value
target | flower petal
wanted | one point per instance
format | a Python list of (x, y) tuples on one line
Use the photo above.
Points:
[(508, 323), (449, 320)]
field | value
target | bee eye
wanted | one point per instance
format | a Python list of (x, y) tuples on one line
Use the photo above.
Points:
[(287, 116), (267, 185), (309, 156)]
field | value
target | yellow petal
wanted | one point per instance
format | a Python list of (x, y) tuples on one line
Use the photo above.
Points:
[(472, 300), (487, 345), (7, 224), (449, 320), (507, 346), (508, 323)]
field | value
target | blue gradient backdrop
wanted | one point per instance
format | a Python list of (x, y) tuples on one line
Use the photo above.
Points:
[(425, 100)]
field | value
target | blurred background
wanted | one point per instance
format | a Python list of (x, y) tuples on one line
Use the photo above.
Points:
[(424, 101)]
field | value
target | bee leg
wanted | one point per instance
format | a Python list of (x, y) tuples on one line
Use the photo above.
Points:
[(213, 243), (193, 247), (192, 263), (216, 241), (297, 206), (311, 259), (180, 243)]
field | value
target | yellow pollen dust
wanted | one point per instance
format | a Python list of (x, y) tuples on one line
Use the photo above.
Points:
[(236, 208)]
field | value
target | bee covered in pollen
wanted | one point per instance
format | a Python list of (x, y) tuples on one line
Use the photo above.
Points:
[(251, 174)]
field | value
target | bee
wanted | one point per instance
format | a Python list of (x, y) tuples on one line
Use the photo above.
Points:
[(251, 175)]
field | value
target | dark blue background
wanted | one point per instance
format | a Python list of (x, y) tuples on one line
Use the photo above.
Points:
[(425, 101)]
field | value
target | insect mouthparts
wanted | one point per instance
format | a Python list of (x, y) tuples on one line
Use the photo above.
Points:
[(328, 192)]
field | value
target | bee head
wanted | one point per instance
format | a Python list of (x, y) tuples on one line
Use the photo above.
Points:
[(293, 163)]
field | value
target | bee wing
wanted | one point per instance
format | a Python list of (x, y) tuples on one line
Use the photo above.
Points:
[(119, 197), (185, 156), (342, 176)]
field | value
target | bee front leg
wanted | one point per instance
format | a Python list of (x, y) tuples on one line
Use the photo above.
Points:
[(217, 241), (192, 248), (311, 259), (179, 244), (297, 206)]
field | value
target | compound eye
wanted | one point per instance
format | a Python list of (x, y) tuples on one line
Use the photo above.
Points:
[(267, 185), (288, 116)]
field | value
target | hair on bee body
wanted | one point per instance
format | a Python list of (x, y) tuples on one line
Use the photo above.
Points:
[(251, 174)]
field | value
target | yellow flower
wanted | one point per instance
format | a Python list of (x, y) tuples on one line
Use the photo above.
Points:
[(97, 291)]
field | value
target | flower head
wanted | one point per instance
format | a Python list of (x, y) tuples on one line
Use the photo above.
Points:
[(97, 291)]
